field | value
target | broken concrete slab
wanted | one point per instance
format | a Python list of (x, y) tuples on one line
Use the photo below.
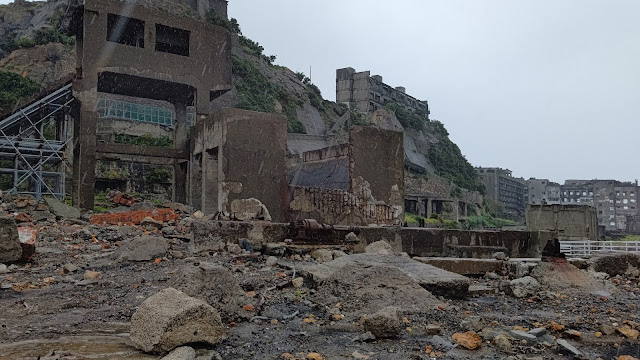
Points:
[(464, 266), (10, 249), (62, 210), (615, 263), (170, 318), (144, 248), (433, 279)]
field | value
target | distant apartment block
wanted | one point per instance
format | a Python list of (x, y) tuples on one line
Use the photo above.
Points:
[(502, 187), (615, 201), (368, 93)]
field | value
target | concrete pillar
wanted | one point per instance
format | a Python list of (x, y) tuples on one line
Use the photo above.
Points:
[(84, 152), (180, 165), (429, 209)]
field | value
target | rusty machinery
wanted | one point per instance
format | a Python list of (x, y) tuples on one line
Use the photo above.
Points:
[(311, 231)]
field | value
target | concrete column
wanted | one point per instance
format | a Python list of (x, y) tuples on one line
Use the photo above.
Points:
[(84, 152), (429, 209), (180, 165)]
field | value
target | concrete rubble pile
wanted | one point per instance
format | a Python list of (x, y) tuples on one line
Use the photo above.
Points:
[(145, 283)]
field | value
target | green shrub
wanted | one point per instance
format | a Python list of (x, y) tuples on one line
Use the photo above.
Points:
[(408, 119), (144, 140), (13, 88)]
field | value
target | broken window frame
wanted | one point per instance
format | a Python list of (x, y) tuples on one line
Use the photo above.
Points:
[(125, 30), (177, 40)]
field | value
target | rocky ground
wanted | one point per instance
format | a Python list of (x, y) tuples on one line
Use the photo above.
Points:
[(77, 295)]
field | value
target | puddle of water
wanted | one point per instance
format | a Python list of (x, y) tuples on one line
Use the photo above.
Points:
[(84, 347)]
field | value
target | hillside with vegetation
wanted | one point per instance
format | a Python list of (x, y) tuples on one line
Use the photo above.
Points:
[(40, 55)]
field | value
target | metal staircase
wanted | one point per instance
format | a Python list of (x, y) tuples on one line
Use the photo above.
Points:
[(32, 145)]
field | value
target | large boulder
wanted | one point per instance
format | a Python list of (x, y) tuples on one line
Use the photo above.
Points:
[(214, 284), (10, 249), (379, 247), (170, 319), (523, 287), (384, 323), (144, 248)]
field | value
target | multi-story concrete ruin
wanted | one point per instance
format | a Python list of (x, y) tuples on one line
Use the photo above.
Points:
[(567, 222), (368, 93), (615, 201), (503, 188)]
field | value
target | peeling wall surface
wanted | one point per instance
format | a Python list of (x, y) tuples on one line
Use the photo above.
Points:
[(569, 222), (238, 164)]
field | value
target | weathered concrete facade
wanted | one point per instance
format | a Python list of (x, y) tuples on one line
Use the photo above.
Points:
[(134, 51), (502, 187), (567, 222), (358, 183), (368, 93), (238, 165)]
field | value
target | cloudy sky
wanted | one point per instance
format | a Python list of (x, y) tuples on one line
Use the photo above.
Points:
[(546, 88)]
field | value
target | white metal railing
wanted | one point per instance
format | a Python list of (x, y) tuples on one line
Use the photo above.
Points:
[(587, 247)]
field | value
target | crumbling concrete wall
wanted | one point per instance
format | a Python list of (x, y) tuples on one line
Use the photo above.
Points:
[(238, 164), (568, 222)]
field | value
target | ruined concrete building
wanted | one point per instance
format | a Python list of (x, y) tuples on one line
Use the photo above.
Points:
[(503, 188), (567, 222), (615, 201), (367, 93)]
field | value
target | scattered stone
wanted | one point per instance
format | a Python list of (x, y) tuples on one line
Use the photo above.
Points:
[(521, 335), (384, 323), (433, 329), (598, 334), (145, 248), (502, 342), (566, 347), (468, 340), (573, 334), (524, 287), (150, 223), (3, 269), (10, 249), (555, 326), (538, 332), (62, 210), (379, 247), (92, 275), (271, 261), (627, 331), (339, 253), (351, 238), (607, 329), (314, 356), (170, 318), (176, 254), (69, 268), (297, 282), (357, 355), (472, 323), (322, 255), (368, 336), (181, 353)]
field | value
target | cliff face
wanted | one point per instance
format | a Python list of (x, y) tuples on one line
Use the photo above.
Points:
[(258, 84)]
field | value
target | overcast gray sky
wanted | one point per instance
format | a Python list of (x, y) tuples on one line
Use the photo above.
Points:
[(546, 88)]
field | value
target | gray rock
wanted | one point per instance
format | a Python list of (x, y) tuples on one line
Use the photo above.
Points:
[(500, 256), (489, 333), (523, 287), (441, 343), (62, 210), (339, 253), (565, 347), (69, 268), (368, 336), (380, 248), (3, 269), (351, 238), (170, 318), (472, 323), (214, 284), (150, 223), (538, 332), (433, 329), (10, 249), (144, 248), (322, 255), (502, 342), (384, 323), (521, 335), (271, 261), (204, 354), (181, 353), (274, 249)]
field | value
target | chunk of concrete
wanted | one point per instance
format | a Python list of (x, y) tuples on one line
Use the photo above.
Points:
[(523, 287), (464, 266), (433, 279), (181, 353), (144, 248), (566, 347), (384, 324), (379, 247), (62, 210), (322, 255), (170, 318), (10, 248)]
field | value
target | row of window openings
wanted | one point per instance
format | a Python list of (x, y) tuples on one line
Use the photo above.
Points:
[(130, 31), (624, 201), (117, 109), (584, 193)]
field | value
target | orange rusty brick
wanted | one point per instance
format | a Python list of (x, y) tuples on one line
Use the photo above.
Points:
[(134, 217)]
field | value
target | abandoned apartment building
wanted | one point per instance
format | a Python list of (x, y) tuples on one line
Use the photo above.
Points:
[(144, 72)]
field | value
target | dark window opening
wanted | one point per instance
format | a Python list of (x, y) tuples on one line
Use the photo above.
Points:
[(172, 40), (125, 30)]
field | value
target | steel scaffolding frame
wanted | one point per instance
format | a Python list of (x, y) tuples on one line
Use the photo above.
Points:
[(38, 164)]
